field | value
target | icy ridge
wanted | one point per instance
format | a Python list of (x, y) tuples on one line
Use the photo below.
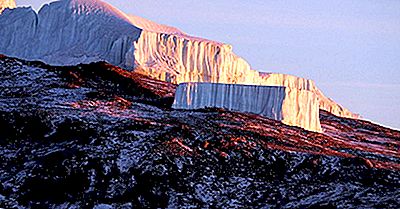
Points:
[(71, 32)]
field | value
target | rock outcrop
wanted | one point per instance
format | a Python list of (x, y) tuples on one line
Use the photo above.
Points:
[(84, 31), (291, 106), (4, 4)]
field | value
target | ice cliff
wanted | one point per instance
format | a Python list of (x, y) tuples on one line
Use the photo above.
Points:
[(69, 32), (292, 107), (4, 4)]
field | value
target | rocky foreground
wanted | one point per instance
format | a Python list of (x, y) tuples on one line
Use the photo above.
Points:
[(96, 136)]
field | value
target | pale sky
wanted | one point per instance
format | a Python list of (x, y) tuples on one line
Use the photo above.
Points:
[(350, 48)]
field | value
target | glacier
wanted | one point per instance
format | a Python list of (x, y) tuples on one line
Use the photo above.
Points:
[(293, 107), (71, 32)]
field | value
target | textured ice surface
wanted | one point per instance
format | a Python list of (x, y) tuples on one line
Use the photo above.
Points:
[(292, 107), (7, 4), (70, 32)]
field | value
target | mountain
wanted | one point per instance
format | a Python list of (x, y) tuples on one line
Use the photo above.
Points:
[(96, 112), (98, 136), (85, 31)]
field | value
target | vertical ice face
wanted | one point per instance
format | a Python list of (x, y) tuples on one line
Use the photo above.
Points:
[(70, 32), (186, 59), (292, 107), (7, 4), (181, 58)]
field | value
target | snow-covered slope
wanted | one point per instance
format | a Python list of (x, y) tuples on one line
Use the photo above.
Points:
[(292, 107), (70, 32), (7, 4)]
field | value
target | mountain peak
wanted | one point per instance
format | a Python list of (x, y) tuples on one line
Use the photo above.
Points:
[(89, 4), (101, 7), (7, 4)]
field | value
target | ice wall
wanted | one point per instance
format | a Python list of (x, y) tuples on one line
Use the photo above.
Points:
[(70, 32), (185, 59), (6, 4), (292, 107), (180, 59)]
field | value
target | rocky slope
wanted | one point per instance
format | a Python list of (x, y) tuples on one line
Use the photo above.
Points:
[(84, 31), (97, 136), (291, 106)]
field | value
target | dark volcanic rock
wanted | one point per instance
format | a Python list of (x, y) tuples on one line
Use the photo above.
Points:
[(96, 136)]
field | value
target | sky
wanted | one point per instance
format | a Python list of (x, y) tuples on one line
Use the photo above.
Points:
[(350, 48)]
